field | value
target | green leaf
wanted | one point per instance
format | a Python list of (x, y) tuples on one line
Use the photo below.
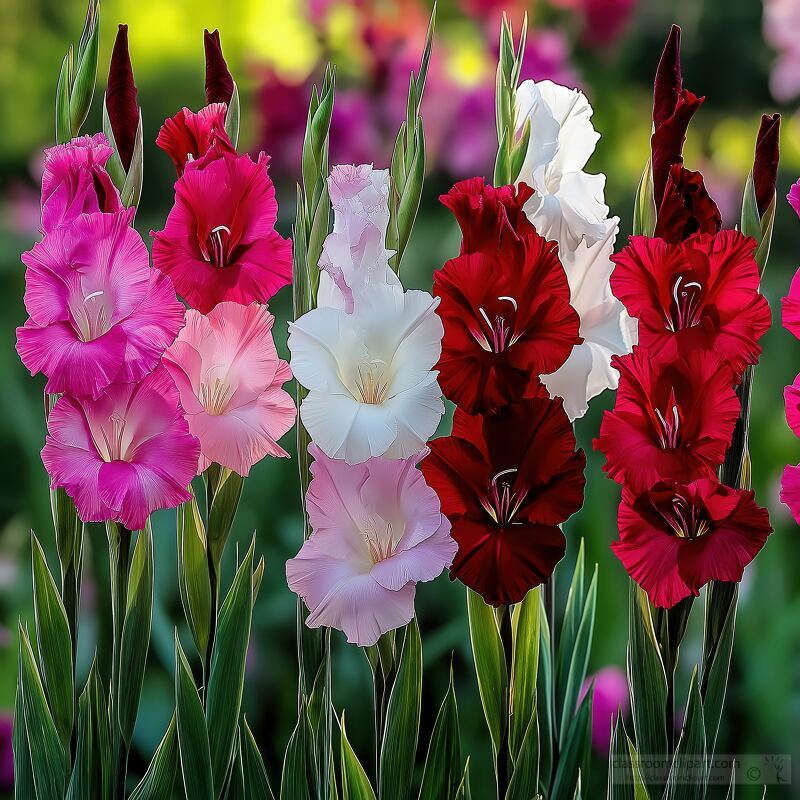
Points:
[(402, 721), (575, 757), (490, 666), (519, 151), (355, 783), (193, 746), (620, 772), (644, 209), (54, 644), (136, 631), (24, 788), (639, 789), (63, 126), (524, 782), (464, 792), (83, 84), (687, 779), (544, 699), (524, 668), (159, 779), (441, 776), (410, 198), (767, 224), (720, 622), (224, 488), (48, 758), (256, 782), (648, 684), (298, 779), (226, 681), (232, 117), (750, 221), (131, 190), (573, 614), (580, 658), (193, 579), (234, 785), (92, 775)]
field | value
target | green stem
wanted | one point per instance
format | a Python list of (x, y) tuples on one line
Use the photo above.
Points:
[(119, 542), (213, 582), (503, 765)]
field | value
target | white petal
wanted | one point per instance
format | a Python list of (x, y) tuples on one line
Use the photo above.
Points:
[(417, 412)]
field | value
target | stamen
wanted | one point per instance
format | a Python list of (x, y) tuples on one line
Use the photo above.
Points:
[(501, 503)]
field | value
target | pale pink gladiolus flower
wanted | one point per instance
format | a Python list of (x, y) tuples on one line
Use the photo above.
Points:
[(124, 455), (378, 530), (98, 313), (75, 181), (229, 377)]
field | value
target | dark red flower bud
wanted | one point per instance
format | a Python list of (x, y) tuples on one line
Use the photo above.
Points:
[(123, 110), (219, 83), (669, 80), (765, 166), (686, 208)]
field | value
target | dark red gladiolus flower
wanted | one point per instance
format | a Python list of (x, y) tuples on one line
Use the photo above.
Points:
[(672, 419), (673, 109), (675, 538), (195, 137), (506, 481), (487, 215), (507, 319), (701, 294), (219, 83), (765, 165), (686, 208), (121, 105), (219, 242)]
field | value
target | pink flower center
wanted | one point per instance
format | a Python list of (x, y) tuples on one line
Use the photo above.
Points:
[(687, 304), (380, 540), (669, 425), (91, 315), (686, 520), (501, 502), (216, 392), (496, 334), (110, 440)]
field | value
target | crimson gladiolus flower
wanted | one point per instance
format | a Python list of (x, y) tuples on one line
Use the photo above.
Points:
[(219, 242), (488, 216), (675, 538), (124, 455), (686, 208), (672, 419), (195, 137), (507, 320), (701, 294), (506, 481)]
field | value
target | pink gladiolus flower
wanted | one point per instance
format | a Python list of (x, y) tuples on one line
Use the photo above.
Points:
[(98, 313), (229, 377), (378, 531), (220, 242), (609, 697), (188, 136), (794, 197), (124, 455), (75, 181)]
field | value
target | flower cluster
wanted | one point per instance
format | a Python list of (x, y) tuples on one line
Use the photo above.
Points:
[(694, 290), (509, 474), (366, 355), (150, 394)]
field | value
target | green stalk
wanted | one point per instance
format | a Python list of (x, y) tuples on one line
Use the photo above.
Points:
[(503, 763)]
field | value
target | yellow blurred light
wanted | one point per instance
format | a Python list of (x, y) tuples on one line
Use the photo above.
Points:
[(467, 61)]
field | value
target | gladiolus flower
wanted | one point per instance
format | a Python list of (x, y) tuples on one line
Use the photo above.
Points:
[(195, 138), (75, 181), (372, 391), (507, 319), (567, 203), (675, 538), (794, 197), (791, 307), (790, 482), (98, 313), (123, 110), (229, 378), (701, 294), (354, 253), (488, 216), (672, 419), (686, 208), (609, 689), (219, 242), (378, 530), (605, 327), (124, 455), (506, 481), (219, 83), (765, 164)]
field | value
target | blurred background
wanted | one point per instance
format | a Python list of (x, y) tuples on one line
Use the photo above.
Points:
[(744, 56)]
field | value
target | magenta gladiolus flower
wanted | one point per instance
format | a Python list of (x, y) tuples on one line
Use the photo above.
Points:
[(98, 313), (220, 242), (609, 697), (75, 181), (229, 378), (378, 531), (124, 455), (794, 197)]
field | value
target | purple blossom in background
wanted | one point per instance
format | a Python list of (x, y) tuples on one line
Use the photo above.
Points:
[(610, 696), (6, 753), (782, 33)]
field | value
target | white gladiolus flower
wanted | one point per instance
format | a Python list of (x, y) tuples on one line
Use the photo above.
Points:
[(568, 204), (354, 253), (372, 391), (606, 328)]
